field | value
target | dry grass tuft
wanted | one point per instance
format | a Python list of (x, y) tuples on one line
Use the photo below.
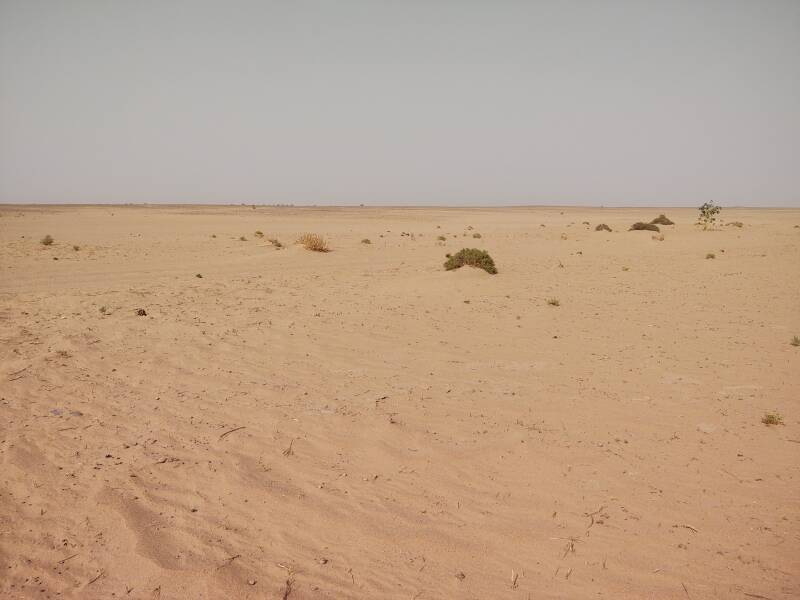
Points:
[(602, 227), (710, 255), (554, 302), (366, 241), (477, 236), (661, 220), (773, 418), (259, 234), (644, 226), (275, 243), (313, 242), (795, 341), (47, 240), (472, 257), (76, 247)]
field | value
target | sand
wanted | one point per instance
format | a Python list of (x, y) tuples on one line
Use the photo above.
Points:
[(363, 424)]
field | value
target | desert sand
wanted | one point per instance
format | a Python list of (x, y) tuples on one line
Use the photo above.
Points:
[(364, 424)]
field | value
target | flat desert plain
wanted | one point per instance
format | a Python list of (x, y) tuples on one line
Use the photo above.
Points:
[(361, 423)]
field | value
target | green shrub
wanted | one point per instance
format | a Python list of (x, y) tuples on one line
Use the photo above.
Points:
[(472, 257), (708, 215)]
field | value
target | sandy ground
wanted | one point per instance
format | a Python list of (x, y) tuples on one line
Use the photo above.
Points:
[(364, 424)]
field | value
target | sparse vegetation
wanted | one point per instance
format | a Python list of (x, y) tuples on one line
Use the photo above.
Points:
[(366, 241), (477, 236), (313, 242), (708, 215), (472, 257), (772, 418), (710, 255), (553, 302), (795, 341), (602, 227), (47, 240), (639, 226), (661, 220)]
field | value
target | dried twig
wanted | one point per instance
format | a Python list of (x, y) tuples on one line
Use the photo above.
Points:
[(230, 431), (98, 576), (63, 560), (689, 527)]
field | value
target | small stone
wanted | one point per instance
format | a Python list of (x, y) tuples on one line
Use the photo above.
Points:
[(251, 581)]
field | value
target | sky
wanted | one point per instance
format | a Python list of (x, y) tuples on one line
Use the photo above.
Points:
[(616, 103)]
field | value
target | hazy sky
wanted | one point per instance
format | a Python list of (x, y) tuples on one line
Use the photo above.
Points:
[(342, 102)]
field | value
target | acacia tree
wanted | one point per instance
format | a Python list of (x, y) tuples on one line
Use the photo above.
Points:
[(708, 215)]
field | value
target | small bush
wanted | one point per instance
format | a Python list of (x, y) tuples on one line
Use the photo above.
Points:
[(366, 241), (602, 227), (103, 310), (477, 236), (441, 238), (199, 275), (275, 243), (710, 255), (313, 242), (553, 302), (772, 418), (242, 239), (795, 341), (661, 220), (708, 215), (76, 247), (644, 226), (141, 312), (47, 240), (472, 257), (213, 235)]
